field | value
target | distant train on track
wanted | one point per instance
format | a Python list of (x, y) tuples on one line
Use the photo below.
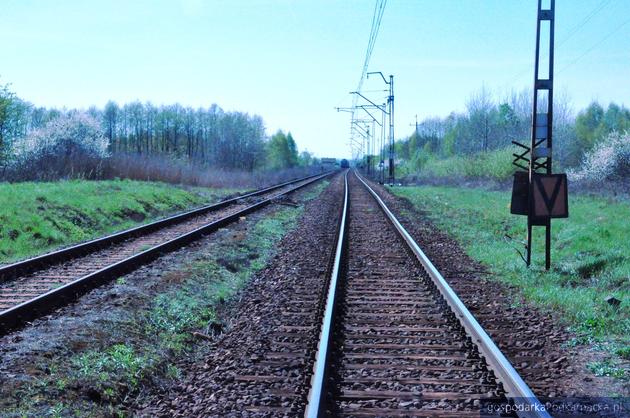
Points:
[(344, 163)]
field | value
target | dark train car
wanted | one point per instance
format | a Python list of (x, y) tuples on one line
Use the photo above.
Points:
[(344, 163)]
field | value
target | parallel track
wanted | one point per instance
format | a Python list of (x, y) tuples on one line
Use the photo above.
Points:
[(34, 287), (395, 339)]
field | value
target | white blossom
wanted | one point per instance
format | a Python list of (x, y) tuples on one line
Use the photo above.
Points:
[(610, 158), (75, 134)]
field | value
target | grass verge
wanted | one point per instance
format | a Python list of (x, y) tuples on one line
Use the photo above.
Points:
[(137, 348), (36, 217), (590, 260), (492, 165)]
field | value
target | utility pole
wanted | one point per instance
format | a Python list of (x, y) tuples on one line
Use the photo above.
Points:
[(382, 150), (373, 146), (541, 120), (390, 102), (362, 128), (367, 154), (411, 124), (353, 128), (371, 105), (537, 192)]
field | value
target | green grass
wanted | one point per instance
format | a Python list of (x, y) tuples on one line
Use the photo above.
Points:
[(590, 255), (492, 165), (608, 367), (36, 217), (118, 360)]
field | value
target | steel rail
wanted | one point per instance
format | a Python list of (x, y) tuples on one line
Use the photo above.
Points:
[(55, 257), (19, 315), (526, 403), (316, 396)]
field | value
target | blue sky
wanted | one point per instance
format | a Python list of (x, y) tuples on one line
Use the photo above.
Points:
[(293, 62)]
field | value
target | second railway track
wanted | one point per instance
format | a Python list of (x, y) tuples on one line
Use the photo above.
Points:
[(34, 287), (395, 339)]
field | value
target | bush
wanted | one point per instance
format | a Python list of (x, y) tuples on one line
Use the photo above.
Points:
[(608, 160), (168, 170), (71, 145), (495, 165)]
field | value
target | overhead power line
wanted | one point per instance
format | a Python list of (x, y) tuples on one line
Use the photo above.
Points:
[(379, 9), (598, 43), (583, 22), (377, 16)]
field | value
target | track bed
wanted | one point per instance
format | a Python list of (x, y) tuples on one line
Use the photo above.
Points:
[(398, 349)]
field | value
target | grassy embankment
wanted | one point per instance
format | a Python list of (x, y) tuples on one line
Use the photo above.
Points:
[(36, 217), (493, 165), (590, 259), (158, 331)]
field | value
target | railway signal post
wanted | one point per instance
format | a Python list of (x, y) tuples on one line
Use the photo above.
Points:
[(537, 192)]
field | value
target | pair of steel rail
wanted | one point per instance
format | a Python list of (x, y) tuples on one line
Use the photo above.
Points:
[(525, 403), (21, 314)]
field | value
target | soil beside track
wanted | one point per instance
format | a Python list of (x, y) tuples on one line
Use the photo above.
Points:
[(535, 341)]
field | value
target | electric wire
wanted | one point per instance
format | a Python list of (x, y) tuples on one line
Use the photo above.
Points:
[(598, 43), (583, 22), (377, 16)]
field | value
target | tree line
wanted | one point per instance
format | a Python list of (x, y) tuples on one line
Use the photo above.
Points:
[(202, 136), (489, 124)]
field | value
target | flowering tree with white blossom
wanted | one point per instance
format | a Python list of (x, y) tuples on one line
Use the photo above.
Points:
[(72, 145), (608, 160)]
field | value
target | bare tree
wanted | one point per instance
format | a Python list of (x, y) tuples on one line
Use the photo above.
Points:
[(481, 111)]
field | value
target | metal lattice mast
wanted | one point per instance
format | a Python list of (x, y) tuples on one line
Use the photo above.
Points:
[(537, 192), (390, 100), (542, 123)]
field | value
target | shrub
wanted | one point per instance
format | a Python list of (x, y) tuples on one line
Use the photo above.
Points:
[(168, 170), (71, 145), (495, 165), (608, 160)]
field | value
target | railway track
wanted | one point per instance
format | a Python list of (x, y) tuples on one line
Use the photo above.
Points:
[(32, 288), (395, 339)]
